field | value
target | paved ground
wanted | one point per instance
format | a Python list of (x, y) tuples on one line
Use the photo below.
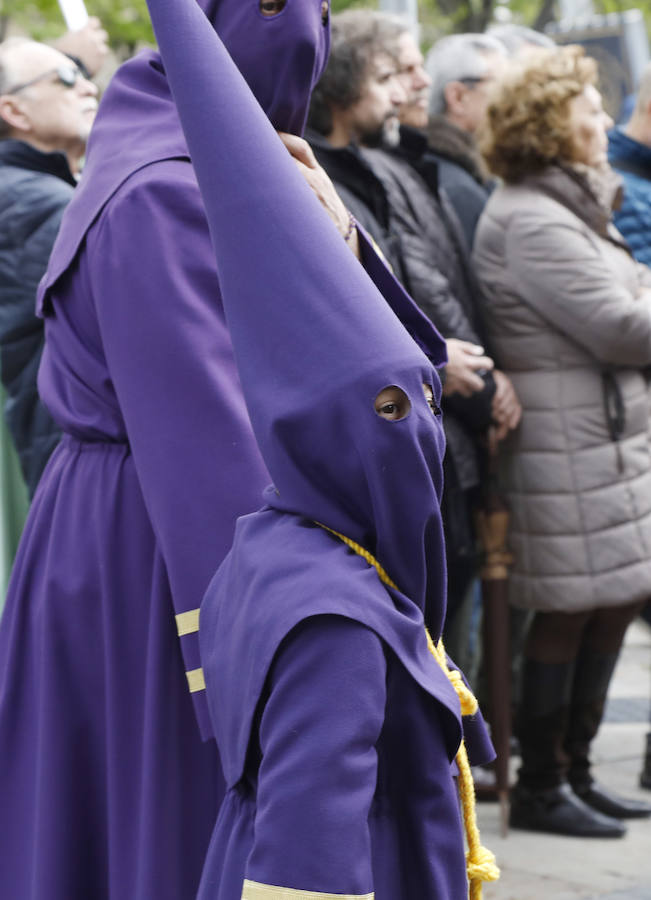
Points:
[(548, 867)]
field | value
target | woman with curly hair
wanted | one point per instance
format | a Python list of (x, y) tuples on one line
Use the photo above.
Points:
[(569, 316)]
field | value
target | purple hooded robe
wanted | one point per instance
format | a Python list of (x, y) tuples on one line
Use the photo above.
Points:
[(337, 728)]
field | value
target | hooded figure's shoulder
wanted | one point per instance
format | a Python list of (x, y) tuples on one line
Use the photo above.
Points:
[(283, 569), (168, 185)]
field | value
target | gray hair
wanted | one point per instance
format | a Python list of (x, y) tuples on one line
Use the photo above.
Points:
[(514, 37), (357, 37), (455, 58)]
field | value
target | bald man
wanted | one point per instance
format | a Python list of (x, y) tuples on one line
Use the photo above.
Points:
[(47, 109)]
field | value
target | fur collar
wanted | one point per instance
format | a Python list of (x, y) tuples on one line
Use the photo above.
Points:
[(451, 142)]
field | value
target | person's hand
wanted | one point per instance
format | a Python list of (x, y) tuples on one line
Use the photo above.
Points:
[(319, 181), (89, 44), (465, 360), (506, 409)]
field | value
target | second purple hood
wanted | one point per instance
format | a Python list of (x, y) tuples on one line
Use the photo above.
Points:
[(281, 57)]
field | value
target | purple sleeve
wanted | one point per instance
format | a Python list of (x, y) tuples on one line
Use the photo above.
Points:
[(318, 731), (169, 358), (475, 732)]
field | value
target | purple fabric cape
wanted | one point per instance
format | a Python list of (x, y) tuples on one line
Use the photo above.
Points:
[(347, 786)]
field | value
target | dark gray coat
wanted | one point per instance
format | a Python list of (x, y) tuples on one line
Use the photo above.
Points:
[(461, 172)]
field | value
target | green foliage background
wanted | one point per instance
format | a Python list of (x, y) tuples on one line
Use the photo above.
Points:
[(128, 25), (127, 21)]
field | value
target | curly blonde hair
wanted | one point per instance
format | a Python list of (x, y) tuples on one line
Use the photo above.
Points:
[(527, 124)]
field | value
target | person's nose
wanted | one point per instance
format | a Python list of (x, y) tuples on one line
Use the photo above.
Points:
[(85, 87), (422, 79), (398, 94)]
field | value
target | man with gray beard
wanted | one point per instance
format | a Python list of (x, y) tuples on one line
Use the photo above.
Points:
[(356, 104)]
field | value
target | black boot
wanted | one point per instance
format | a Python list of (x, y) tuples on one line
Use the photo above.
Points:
[(558, 810), (645, 776), (591, 680), (605, 801), (541, 722), (542, 800)]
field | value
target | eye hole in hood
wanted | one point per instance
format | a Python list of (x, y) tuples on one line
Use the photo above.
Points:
[(392, 404), (272, 7), (281, 48)]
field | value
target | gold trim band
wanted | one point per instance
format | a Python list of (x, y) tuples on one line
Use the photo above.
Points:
[(254, 890), (196, 681), (187, 622)]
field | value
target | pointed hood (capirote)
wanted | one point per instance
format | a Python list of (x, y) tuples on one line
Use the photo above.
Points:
[(315, 342), (281, 57)]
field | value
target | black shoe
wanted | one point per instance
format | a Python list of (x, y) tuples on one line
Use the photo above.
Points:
[(558, 810), (604, 801), (645, 775)]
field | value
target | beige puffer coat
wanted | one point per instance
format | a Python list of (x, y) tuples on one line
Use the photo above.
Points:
[(568, 314)]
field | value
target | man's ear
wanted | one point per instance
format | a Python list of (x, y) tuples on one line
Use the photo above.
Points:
[(454, 93), (12, 112)]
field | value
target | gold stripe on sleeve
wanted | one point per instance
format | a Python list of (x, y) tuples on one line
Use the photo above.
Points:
[(187, 622), (254, 890), (196, 681)]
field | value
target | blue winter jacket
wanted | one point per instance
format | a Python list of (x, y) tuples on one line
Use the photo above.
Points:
[(633, 162)]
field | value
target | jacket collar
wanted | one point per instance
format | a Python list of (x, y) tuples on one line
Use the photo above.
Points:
[(23, 156), (591, 194), (348, 167), (413, 141), (453, 143)]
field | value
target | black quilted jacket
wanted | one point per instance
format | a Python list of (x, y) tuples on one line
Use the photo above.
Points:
[(35, 188)]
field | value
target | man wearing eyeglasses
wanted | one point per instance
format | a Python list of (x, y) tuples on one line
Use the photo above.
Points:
[(462, 69), (46, 112)]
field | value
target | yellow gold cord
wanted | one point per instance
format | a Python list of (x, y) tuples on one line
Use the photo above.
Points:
[(480, 862)]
